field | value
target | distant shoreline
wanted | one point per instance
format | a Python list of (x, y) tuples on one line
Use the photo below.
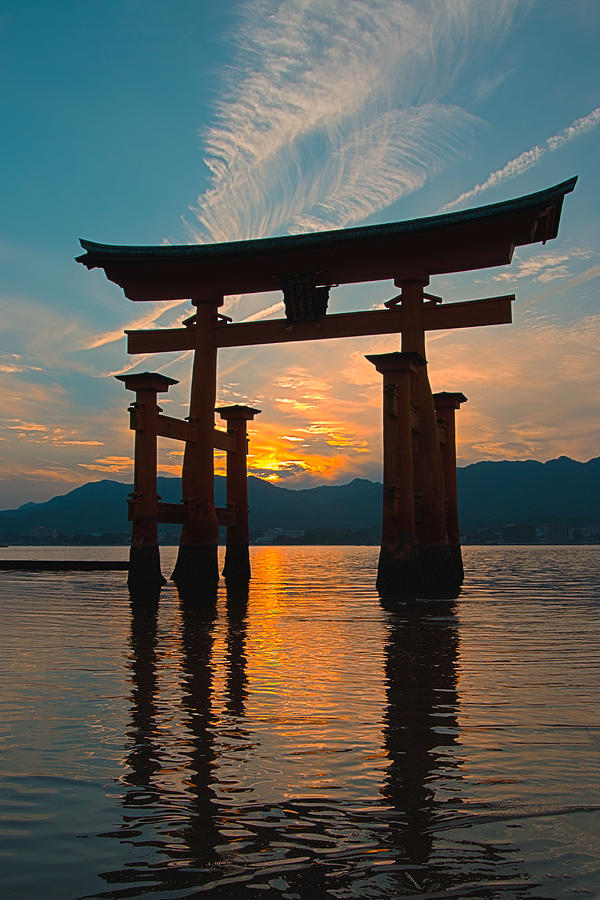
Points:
[(295, 543)]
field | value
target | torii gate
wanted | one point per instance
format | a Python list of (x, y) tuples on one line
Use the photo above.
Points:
[(420, 548)]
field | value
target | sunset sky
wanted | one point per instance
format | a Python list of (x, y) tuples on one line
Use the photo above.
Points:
[(151, 122)]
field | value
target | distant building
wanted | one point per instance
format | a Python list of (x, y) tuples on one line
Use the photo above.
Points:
[(273, 535), (518, 534), (40, 532), (556, 534)]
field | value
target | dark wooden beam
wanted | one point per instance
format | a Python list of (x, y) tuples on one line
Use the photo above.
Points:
[(224, 441), (488, 311), (176, 429), (468, 313), (225, 516), (175, 513), (160, 340)]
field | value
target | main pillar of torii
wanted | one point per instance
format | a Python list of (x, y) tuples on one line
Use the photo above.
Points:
[(420, 546), (305, 267), (198, 544)]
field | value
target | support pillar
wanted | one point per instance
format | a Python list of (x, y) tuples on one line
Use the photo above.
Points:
[(437, 565), (237, 557), (399, 570), (446, 404), (145, 578), (197, 565)]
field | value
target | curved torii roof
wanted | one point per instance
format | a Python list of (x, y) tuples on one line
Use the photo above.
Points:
[(454, 242)]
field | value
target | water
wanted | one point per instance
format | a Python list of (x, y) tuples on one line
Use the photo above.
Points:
[(308, 742)]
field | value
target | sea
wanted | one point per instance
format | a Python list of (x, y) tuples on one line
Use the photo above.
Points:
[(304, 741)]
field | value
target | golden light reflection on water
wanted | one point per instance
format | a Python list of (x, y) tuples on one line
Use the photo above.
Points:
[(303, 708)]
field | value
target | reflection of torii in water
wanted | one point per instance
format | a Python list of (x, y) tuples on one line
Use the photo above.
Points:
[(420, 553), (423, 781), (183, 836), (154, 815)]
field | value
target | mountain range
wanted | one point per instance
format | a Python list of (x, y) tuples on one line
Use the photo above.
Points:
[(490, 494)]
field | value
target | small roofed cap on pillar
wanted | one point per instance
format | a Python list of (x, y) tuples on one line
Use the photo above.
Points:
[(237, 412), (150, 381), (397, 361), (448, 399)]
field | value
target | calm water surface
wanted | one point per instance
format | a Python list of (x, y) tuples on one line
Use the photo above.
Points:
[(305, 741)]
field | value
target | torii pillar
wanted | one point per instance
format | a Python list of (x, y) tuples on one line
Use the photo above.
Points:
[(423, 565), (446, 404), (145, 578), (237, 556), (399, 567), (197, 561)]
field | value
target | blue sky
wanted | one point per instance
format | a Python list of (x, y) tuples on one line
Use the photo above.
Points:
[(147, 122)]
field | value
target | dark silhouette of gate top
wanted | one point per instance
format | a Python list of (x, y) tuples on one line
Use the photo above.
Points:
[(420, 552)]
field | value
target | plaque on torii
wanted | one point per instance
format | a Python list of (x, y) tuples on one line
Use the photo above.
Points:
[(420, 550)]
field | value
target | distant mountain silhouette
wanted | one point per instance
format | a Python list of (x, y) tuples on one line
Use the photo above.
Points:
[(490, 493), (560, 490)]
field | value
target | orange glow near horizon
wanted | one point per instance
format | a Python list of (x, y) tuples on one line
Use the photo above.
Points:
[(321, 402), (321, 450)]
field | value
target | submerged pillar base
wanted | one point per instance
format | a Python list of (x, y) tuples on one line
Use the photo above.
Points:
[(197, 569), (145, 578), (237, 564), (430, 573), (442, 580), (456, 553), (399, 575)]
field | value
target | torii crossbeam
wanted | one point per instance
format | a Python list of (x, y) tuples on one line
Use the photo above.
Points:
[(420, 553)]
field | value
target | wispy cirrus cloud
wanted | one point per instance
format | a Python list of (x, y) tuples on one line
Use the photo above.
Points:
[(144, 321), (529, 158), (389, 157), (13, 364), (330, 112), (263, 313), (564, 286), (544, 267), (333, 110)]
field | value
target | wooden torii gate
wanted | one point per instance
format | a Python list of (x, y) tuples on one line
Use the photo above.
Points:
[(420, 548)]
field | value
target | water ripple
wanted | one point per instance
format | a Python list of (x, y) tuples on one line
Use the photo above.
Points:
[(306, 740)]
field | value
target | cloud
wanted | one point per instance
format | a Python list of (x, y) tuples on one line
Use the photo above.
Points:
[(263, 313), (149, 318), (122, 465), (12, 364), (62, 443), (39, 349), (20, 425), (282, 471), (42, 474), (389, 157), (553, 274), (488, 83), (37, 433), (325, 422), (333, 110), (544, 267), (575, 281), (541, 402), (531, 157)]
